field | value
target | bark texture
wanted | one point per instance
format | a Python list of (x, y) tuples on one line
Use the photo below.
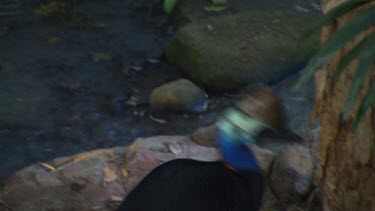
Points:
[(347, 162)]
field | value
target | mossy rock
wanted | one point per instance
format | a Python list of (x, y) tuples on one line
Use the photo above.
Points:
[(227, 52)]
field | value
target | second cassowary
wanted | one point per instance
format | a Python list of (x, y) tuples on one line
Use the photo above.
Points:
[(189, 185)]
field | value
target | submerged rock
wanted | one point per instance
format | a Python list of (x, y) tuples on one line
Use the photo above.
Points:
[(227, 52), (180, 95)]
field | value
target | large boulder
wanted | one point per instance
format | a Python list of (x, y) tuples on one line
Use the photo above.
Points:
[(226, 52)]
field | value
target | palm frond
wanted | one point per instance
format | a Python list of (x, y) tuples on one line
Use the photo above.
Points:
[(339, 39), (368, 102), (332, 16), (355, 53), (364, 50), (364, 67)]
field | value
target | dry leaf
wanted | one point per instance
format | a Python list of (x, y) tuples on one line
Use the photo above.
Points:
[(109, 173), (52, 40), (47, 167), (125, 172), (100, 57), (3, 30), (116, 198)]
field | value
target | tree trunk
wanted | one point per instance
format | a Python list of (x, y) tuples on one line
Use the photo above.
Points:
[(347, 165)]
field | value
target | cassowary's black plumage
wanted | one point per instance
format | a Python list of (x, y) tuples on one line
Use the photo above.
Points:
[(189, 185)]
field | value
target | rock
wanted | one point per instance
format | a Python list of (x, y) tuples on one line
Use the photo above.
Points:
[(264, 157), (269, 201), (226, 52), (188, 11), (179, 95), (205, 136), (95, 180), (292, 173), (100, 179)]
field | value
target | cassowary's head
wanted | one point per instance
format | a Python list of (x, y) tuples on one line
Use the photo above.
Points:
[(241, 124), (234, 130)]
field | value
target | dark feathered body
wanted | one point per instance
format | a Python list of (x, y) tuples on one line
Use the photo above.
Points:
[(189, 185)]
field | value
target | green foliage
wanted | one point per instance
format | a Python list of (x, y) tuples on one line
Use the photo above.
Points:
[(354, 53), (169, 5), (368, 102), (364, 50), (364, 67)]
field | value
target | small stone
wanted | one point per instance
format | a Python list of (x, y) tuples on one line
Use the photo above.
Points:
[(136, 68), (153, 61), (179, 95)]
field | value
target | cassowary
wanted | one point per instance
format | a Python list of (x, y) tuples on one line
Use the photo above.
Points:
[(235, 184)]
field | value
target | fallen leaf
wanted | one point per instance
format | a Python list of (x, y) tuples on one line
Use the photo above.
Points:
[(100, 25), (116, 198), (52, 40), (100, 57), (47, 167), (175, 148), (3, 30), (125, 172)]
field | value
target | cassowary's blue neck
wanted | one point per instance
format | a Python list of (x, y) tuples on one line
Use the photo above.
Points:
[(236, 153)]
